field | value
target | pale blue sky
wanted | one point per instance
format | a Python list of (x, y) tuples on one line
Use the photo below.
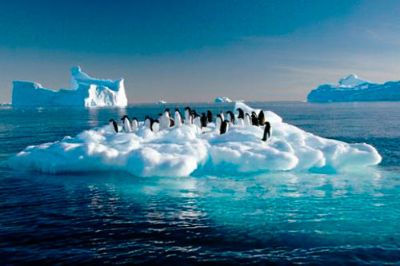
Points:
[(197, 50)]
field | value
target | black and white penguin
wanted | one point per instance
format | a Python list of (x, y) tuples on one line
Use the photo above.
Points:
[(267, 131), (196, 119), (188, 116), (224, 127), (247, 120), (240, 113), (164, 119), (114, 125), (178, 118), (134, 124), (261, 118), (218, 121), (240, 117), (148, 122), (209, 116), (155, 125), (222, 116), (126, 124), (230, 117), (254, 119), (203, 120)]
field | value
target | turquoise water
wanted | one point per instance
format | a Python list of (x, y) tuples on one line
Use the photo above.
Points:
[(272, 217)]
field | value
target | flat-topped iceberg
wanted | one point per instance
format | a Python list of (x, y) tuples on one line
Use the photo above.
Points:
[(222, 100), (187, 150), (352, 88), (85, 91)]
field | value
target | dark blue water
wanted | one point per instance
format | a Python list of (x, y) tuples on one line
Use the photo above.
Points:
[(114, 218)]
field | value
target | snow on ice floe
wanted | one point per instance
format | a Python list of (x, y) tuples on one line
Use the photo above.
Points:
[(85, 91), (185, 150), (352, 88)]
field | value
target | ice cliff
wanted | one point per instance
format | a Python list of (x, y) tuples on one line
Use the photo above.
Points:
[(85, 91)]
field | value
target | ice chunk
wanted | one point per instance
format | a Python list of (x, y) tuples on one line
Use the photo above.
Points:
[(186, 150), (86, 91), (353, 88), (222, 100)]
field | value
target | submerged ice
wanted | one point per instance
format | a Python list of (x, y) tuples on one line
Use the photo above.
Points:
[(85, 91), (186, 149)]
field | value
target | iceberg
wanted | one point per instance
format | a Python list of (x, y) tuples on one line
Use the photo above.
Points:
[(222, 100), (189, 151), (352, 88), (85, 91)]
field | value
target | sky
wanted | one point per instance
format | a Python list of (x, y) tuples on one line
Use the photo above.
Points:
[(185, 51)]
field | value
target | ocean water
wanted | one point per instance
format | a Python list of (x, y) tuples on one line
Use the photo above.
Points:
[(284, 218)]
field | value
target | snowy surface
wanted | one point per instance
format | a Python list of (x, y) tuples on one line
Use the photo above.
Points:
[(222, 100), (353, 88), (85, 91), (186, 150)]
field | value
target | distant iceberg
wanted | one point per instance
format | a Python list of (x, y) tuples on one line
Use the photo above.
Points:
[(352, 89), (85, 91), (186, 150), (222, 100)]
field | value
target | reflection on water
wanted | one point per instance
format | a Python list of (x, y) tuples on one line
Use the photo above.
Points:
[(283, 217)]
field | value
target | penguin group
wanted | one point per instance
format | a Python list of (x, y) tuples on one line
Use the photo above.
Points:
[(223, 121)]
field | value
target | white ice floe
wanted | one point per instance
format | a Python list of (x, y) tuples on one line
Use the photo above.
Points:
[(85, 91), (187, 150)]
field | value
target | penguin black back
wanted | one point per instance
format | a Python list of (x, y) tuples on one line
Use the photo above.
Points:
[(261, 118), (231, 116), (224, 127), (267, 131), (241, 113), (254, 119), (209, 116), (114, 124), (203, 120)]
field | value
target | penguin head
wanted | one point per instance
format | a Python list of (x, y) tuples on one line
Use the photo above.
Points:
[(123, 118)]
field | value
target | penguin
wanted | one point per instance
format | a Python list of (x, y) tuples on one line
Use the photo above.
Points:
[(267, 131), (209, 116), (171, 122), (196, 119), (222, 116), (224, 127), (203, 120), (114, 125), (126, 124), (231, 117), (261, 118), (247, 120), (254, 119), (155, 125), (218, 121), (147, 122), (241, 113), (178, 118), (164, 119), (188, 116), (134, 124)]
